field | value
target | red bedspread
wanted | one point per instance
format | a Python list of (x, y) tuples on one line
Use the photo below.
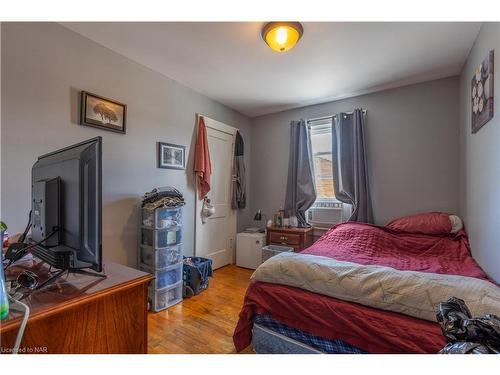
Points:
[(370, 329), (369, 244)]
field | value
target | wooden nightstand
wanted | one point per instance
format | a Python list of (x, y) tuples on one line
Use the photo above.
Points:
[(298, 238)]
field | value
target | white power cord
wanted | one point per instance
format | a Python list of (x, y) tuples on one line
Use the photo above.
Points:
[(20, 333)]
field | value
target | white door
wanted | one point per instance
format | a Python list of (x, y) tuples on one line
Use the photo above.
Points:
[(215, 239)]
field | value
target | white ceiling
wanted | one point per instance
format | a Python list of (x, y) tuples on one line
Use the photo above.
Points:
[(229, 62)]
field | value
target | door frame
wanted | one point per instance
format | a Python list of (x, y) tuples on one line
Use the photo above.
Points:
[(232, 214)]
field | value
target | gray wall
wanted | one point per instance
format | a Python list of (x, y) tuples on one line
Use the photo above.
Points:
[(412, 137), (44, 66), (480, 160)]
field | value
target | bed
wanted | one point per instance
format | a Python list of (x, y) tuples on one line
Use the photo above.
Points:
[(285, 314)]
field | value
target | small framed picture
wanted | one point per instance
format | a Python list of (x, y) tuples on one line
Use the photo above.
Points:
[(102, 113), (171, 156)]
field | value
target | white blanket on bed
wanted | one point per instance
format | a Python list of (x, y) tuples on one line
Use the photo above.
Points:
[(408, 292)]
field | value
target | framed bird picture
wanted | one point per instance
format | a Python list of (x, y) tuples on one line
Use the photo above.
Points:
[(482, 93), (102, 113)]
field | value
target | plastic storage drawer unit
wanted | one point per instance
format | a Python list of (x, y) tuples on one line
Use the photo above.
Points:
[(162, 218), (160, 253), (160, 238), (165, 277), (271, 250), (161, 258), (163, 299)]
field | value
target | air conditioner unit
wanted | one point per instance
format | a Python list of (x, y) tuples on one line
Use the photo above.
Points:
[(325, 217)]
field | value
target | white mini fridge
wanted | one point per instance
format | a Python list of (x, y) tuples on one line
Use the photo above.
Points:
[(249, 249)]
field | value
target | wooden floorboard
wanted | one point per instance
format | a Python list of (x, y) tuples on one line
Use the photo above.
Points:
[(204, 323)]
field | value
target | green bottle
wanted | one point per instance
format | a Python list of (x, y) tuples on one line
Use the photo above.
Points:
[(4, 302)]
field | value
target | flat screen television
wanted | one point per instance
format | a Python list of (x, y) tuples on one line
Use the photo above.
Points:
[(66, 200)]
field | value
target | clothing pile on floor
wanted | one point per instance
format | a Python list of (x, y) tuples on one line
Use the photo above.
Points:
[(163, 197), (465, 334)]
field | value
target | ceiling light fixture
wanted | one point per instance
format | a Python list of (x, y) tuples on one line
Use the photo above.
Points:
[(282, 36)]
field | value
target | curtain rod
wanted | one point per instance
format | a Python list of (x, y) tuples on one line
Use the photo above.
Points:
[(332, 116)]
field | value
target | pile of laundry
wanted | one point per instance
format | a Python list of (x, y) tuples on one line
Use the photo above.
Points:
[(465, 334), (166, 196), (196, 273), (202, 265)]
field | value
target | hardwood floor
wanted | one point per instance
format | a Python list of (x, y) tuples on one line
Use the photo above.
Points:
[(203, 323)]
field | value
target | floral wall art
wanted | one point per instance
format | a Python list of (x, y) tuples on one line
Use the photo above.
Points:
[(482, 93)]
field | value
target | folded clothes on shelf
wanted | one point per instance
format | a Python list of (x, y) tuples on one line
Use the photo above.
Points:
[(163, 197), (165, 202)]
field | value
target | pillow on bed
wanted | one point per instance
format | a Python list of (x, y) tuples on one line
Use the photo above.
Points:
[(456, 223), (428, 223)]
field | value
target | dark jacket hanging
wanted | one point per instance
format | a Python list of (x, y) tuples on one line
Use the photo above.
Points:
[(239, 178)]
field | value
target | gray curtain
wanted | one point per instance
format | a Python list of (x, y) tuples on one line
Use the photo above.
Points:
[(300, 189), (350, 170)]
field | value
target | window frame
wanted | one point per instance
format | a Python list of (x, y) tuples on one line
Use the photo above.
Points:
[(322, 126), (333, 206)]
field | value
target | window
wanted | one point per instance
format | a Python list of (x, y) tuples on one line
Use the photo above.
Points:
[(321, 140), (327, 210)]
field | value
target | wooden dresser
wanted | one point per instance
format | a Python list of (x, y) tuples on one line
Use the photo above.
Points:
[(81, 313), (298, 238)]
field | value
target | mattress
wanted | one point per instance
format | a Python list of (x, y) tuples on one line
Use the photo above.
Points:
[(271, 336), (267, 341), (369, 329)]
